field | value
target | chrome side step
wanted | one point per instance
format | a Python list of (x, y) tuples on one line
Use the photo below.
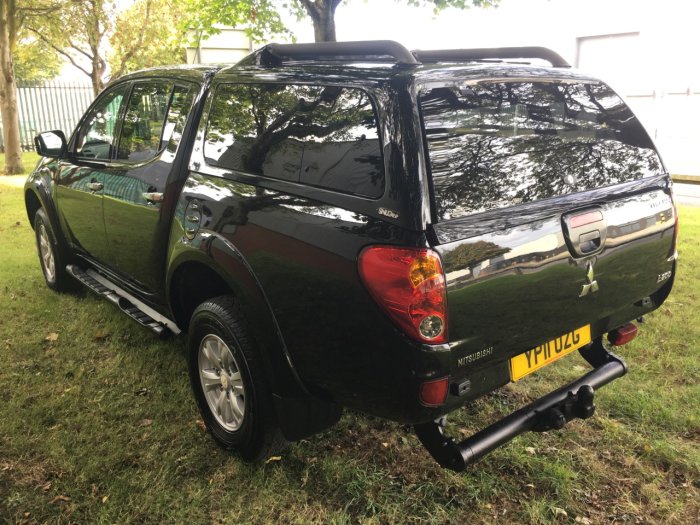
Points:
[(126, 302)]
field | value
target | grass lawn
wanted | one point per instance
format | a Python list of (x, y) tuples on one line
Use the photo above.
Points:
[(97, 425), (29, 159)]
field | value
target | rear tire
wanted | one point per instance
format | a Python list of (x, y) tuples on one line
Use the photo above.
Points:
[(52, 255), (228, 381)]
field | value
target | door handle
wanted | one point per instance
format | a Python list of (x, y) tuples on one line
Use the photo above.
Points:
[(95, 186), (589, 242), (152, 197)]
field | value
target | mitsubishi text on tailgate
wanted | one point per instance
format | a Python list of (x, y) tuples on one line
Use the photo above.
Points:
[(356, 225)]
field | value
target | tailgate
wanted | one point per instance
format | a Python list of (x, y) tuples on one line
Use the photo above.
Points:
[(552, 212), (523, 283)]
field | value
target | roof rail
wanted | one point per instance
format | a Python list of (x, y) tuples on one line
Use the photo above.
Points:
[(489, 53), (370, 50)]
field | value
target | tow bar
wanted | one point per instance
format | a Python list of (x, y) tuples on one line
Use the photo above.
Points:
[(551, 411)]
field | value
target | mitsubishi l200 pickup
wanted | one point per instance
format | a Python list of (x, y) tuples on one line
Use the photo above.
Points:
[(357, 225)]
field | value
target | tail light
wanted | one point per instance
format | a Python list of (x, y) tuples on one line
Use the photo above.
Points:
[(409, 285), (623, 335)]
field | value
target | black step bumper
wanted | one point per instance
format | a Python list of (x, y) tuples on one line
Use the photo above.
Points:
[(552, 411)]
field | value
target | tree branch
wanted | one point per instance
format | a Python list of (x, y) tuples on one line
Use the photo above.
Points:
[(82, 52), (58, 50)]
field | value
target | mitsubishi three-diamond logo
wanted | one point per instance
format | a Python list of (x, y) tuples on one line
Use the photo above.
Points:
[(591, 284)]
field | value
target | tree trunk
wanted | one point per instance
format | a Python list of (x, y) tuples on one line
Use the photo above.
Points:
[(8, 92), (96, 75), (322, 13), (324, 27)]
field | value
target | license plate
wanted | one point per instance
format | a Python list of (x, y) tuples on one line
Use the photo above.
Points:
[(544, 354)]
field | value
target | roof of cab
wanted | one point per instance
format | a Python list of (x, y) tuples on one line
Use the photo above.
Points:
[(375, 62), (196, 72)]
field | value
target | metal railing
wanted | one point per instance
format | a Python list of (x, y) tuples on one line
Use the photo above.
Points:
[(49, 105)]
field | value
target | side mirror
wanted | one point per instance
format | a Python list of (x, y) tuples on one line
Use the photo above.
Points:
[(51, 143)]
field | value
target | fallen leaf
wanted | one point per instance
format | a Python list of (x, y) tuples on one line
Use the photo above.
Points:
[(53, 336), (385, 445), (145, 422), (104, 499), (558, 511), (142, 392), (46, 487), (201, 425), (582, 520), (531, 450), (59, 499), (273, 458)]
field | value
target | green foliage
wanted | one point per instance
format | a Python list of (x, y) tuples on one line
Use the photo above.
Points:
[(150, 33), (260, 19), (35, 61)]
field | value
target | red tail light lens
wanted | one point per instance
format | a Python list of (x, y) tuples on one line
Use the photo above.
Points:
[(623, 335), (409, 285)]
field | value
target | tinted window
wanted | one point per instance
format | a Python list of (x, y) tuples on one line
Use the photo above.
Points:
[(500, 144), (177, 116), (96, 138), (322, 136), (143, 122)]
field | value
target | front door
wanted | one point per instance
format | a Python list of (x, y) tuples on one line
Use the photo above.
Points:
[(81, 176)]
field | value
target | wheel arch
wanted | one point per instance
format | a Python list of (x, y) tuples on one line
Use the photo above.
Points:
[(32, 205), (215, 267)]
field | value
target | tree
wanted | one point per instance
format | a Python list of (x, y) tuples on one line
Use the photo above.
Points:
[(13, 15), (90, 22), (205, 13), (157, 22)]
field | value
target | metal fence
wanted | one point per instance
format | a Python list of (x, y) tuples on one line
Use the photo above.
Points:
[(49, 105)]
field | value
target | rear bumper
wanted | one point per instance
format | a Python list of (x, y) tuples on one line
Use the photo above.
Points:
[(552, 411)]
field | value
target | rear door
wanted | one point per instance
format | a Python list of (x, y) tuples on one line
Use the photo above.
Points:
[(552, 212), (135, 185)]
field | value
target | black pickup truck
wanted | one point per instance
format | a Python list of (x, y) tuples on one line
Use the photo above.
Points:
[(356, 225)]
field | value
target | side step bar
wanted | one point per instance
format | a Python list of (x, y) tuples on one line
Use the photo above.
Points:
[(126, 302), (552, 411)]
